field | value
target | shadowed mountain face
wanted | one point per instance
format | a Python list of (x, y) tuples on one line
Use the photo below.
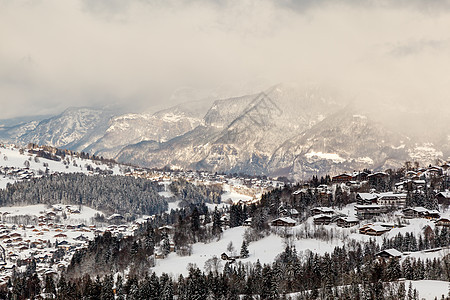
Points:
[(288, 130)]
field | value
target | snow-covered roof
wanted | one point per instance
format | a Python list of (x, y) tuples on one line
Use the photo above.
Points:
[(323, 209), (392, 252), (378, 228), (445, 194), (367, 206), (349, 219), (367, 196), (286, 220), (321, 216)]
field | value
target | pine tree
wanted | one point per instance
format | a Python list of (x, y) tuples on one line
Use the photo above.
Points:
[(244, 250)]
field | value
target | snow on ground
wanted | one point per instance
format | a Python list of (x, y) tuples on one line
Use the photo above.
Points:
[(173, 205), (329, 156), (86, 213), (4, 182), (264, 250), (10, 157), (166, 194), (429, 289), (234, 197)]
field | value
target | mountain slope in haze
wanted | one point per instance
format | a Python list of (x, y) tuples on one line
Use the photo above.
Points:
[(342, 142), (238, 134), (161, 126), (74, 129)]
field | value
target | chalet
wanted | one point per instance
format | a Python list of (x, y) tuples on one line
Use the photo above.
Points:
[(360, 176), (285, 221), (60, 235), (225, 220), (51, 215), (366, 198), (392, 199), (322, 210), (373, 230), (389, 253), (347, 222), (322, 219), (167, 229), (248, 222), (443, 198), (443, 222), (293, 213), (115, 217), (342, 178), (420, 212), (368, 211)]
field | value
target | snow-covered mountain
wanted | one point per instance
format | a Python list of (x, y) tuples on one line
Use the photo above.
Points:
[(289, 130), (239, 134), (159, 127), (74, 129)]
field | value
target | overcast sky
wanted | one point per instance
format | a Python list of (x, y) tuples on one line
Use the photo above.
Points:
[(146, 53)]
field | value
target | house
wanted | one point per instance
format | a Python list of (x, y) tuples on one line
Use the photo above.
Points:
[(347, 222), (322, 210), (115, 217), (389, 253), (322, 219), (368, 211), (392, 199), (293, 212), (443, 198), (443, 222), (376, 230), (284, 221), (248, 222), (60, 235), (342, 178), (366, 198), (167, 229), (420, 212)]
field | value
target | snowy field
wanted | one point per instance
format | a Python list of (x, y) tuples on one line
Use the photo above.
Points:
[(264, 250), (10, 157)]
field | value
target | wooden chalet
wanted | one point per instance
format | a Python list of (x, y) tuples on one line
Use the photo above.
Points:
[(389, 253), (347, 222), (443, 198), (443, 222), (368, 211), (392, 199), (322, 219), (366, 198), (420, 212), (322, 211), (376, 230), (342, 178), (284, 221), (247, 222)]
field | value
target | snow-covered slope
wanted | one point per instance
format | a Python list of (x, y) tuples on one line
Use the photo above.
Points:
[(129, 129), (74, 129), (14, 162), (238, 134)]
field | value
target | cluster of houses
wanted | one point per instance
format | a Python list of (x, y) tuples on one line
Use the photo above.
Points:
[(47, 240)]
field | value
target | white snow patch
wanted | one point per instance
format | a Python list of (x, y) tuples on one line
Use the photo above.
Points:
[(365, 160), (329, 156)]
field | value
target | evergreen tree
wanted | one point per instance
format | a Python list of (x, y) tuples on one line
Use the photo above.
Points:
[(244, 250)]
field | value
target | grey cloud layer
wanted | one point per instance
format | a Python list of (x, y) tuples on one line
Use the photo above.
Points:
[(142, 53)]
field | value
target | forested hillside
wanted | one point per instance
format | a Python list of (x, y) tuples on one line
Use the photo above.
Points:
[(110, 194)]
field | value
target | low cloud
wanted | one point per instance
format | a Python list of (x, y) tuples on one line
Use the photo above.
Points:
[(145, 54)]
